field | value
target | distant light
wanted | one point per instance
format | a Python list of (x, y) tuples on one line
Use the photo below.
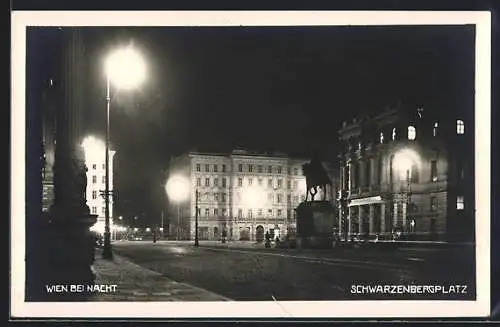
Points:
[(177, 188), (404, 160), (148, 229), (161, 229), (51, 82), (136, 229)]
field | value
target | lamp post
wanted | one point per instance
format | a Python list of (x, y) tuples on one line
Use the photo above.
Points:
[(177, 188), (196, 242), (126, 69)]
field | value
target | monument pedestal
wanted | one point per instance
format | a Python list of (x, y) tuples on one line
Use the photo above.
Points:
[(315, 223)]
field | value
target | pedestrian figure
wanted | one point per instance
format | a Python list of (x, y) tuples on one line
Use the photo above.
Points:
[(268, 240), (224, 234), (154, 235)]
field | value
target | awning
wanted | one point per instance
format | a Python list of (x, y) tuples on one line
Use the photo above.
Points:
[(363, 201)]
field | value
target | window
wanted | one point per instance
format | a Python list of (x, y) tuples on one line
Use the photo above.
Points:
[(216, 197), (224, 212), (280, 183), (288, 198), (207, 168), (412, 133), (269, 212), (240, 213), (394, 134), (249, 213), (434, 176), (207, 212), (216, 182), (216, 212), (94, 166), (460, 203), (269, 169), (224, 182), (280, 212), (270, 183), (240, 168), (216, 168), (288, 184), (435, 129), (289, 213), (94, 195), (103, 179), (279, 198), (259, 212), (289, 170), (198, 167), (223, 197), (223, 168), (381, 137), (295, 171), (94, 210), (433, 205), (250, 168), (259, 181), (460, 127), (240, 182), (198, 181), (259, 169), (207, 182), (294, 185), (278, 169)]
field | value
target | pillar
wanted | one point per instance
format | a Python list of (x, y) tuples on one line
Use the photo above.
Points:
[(67, 249), (382, 218), (361, 217), (349, 222), (371, 217)]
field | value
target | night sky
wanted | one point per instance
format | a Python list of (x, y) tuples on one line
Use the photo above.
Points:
[(264, 88)]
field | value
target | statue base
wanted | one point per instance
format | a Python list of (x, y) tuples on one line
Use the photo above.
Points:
[(315, 222)]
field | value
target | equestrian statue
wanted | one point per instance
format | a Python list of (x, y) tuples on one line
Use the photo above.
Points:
[(316, 176)]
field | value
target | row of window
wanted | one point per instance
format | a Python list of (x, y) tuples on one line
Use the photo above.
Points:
[(223, 182), (412, 131), (250, 213), (222, 197), (249, 168), (94, 179), (94, 210), (94, 166)]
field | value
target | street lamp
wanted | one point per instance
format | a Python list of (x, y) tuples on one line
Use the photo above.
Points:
[(253, 197), (126, 69), (404, 161), (177, 188)]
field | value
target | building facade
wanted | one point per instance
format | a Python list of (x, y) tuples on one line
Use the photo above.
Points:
[(408, 173), (243, 193), (96, 180)]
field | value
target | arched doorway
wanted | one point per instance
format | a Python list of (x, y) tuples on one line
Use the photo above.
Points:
[(245, 234), (259, 233)]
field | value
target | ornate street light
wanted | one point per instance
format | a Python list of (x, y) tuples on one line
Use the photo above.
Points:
[(126, 69)]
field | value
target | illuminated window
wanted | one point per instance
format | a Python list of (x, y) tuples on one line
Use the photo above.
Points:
[(435, 129), (394, 134), (381, 137), (412, 133), (460, 203), (460, 127)]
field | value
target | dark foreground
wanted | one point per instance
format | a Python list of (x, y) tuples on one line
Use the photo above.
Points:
[(246, 272)]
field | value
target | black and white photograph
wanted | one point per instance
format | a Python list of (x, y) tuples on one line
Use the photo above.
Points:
[(250, 164)]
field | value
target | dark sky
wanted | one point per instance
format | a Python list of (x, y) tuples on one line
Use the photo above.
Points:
[(265, 88)]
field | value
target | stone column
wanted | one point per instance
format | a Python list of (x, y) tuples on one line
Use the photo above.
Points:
[(371, 217), (382, 218), (361, 218), (69, 245), (349, 222)]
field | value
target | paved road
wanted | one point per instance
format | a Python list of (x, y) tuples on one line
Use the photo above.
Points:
[(246, 272)]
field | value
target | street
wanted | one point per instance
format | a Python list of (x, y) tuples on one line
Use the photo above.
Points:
[(249, 272)]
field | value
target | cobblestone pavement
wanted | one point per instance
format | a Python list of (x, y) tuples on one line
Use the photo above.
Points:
[(135, 283)]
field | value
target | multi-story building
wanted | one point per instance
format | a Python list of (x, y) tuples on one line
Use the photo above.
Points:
[(409, 172), (244, 193), (96, 179)]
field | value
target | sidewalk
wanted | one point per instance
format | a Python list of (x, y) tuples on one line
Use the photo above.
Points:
[(135, 283)]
